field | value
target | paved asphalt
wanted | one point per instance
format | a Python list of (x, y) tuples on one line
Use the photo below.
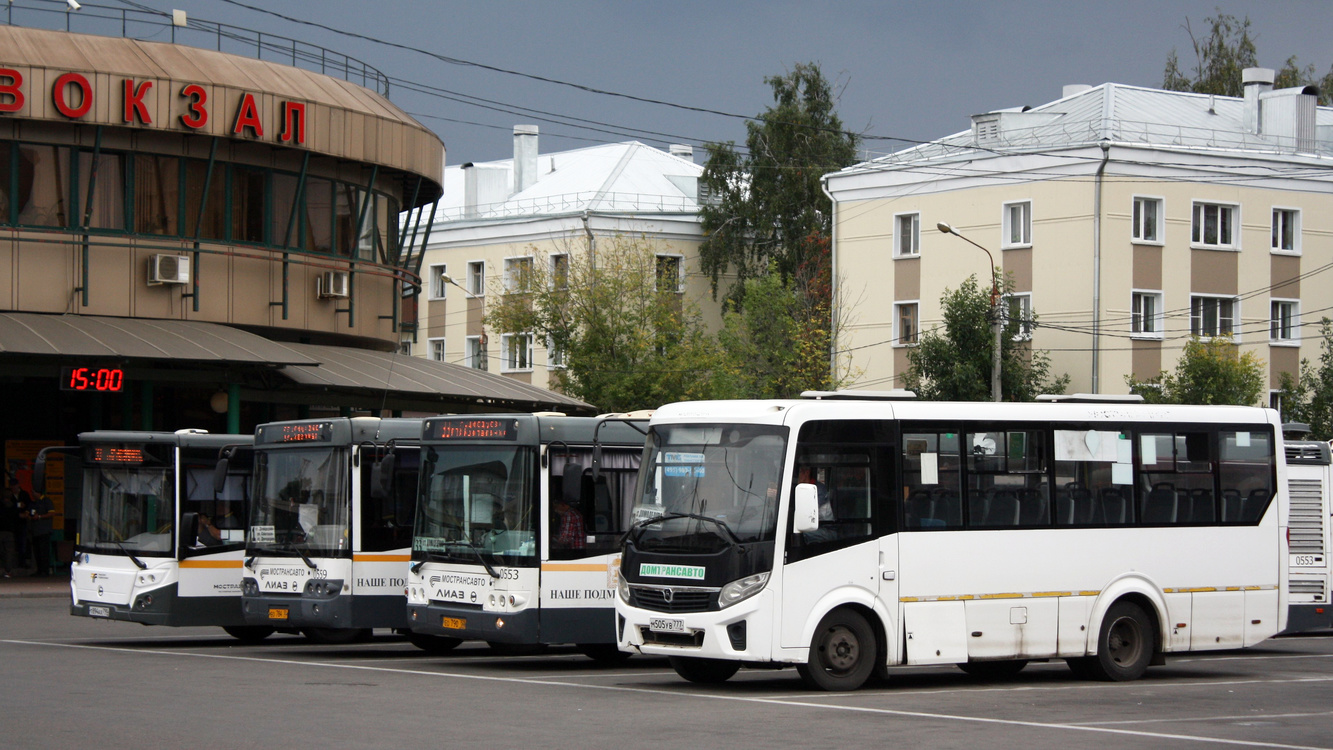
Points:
[(73, 682)]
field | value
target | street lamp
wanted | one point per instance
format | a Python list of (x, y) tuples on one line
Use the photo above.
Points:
[(995, 322), (446, 278)]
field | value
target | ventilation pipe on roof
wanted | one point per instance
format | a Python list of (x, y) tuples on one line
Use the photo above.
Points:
[(525, 157), (681, 150), (1257, 81), (469, 191)]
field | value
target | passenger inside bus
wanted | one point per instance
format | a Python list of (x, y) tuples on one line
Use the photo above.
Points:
[(569, 530)]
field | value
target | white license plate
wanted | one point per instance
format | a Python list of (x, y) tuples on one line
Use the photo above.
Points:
[(96, 611), (666, 625)]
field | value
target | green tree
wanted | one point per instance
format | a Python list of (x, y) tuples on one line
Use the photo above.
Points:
[(1225, 51), (955, 364), (626, 345), (1210, 371), (1308, 397), (769, 211)]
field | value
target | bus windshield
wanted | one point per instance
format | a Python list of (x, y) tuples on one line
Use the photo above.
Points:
[(127, 510), (477, 502), (301, 502), (703, 487)]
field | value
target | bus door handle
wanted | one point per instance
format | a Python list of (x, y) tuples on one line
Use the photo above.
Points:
[(889, 575)]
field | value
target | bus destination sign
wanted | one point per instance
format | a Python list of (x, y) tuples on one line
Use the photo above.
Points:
[(304, 432), (116, 454), (486, 428)]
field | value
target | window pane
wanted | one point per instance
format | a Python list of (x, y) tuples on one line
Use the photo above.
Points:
[(346, 208), (156, 194), (247, 204), (318, 215), (284, 199), (931, 481), (108, 200), (215, 211), (1150, 220), (43, 186)]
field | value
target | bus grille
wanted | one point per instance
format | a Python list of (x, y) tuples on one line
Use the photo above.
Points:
[(1307, 586), (1307, 517), (657, 599)]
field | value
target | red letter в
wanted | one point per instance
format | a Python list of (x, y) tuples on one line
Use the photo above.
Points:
[(134, 101), (58, 95), (247, 116), (13, 89), (197, 116), (293, 118)]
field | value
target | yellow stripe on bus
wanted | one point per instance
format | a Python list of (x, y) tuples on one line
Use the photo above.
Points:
[(575, 567), (381, 558), (210, 563)]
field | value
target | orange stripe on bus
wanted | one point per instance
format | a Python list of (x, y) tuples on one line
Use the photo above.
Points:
[(381, 558), (210, 563)]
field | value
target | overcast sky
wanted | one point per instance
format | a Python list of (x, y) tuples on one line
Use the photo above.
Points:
[(913, 70)]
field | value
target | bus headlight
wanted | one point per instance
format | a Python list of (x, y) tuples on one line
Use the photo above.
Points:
[(147, 579), (622, 586), (741, 589)]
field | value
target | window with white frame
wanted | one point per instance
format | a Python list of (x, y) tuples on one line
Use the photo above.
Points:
[(555, 354), (668, 273), (1147, 219), (1214, 225), (476, 278), (1286, 230), (517, 348), (437, 275), (1213, 316), (1275, 400), (436, 349), (518, 273), (1145, 319), (560, 271), (1284, 321), (908, 242), (906, 324), (1018, 310), (474, 355), (1017, 224)]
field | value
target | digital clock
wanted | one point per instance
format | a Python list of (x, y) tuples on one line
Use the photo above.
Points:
[(473, 429), (94, 379)]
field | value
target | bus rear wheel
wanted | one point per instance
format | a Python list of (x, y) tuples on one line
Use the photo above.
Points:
[(434, 644), (994, 670), (602, 653), (704, 671), (1125, 644), (248, 633), (842, 652)]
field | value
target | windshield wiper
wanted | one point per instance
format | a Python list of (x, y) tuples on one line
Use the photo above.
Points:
[(735, 541), (308, 562), (480, 558), (142, 565), (430, 555)]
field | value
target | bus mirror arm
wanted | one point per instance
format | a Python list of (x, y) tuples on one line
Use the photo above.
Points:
[(39, 465), (805, 510)]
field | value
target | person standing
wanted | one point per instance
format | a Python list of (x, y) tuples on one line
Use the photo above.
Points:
[(22, 506), (40, 526)]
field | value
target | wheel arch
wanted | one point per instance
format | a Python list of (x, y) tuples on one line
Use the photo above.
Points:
[(1137, 590), (859, 601)]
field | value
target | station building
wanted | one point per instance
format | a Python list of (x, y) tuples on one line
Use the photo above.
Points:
[(196, 239)]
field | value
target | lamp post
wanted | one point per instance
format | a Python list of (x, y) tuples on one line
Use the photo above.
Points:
[(995, 322)]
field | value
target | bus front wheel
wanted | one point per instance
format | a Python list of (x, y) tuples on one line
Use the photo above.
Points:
[(1125, 644), (842, 652), (603, 653), (248, 633), (434, 644), (705, 671)]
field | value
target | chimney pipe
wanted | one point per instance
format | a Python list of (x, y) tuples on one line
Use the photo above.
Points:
[(1257, 81), (684, 151), (525, 157)]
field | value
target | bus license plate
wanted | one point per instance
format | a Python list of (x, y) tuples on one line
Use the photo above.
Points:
[(666, 625), (277, 614), (453, 623), (96, 611)]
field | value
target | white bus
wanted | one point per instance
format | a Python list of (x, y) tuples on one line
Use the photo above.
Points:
[(518, 530), (159, 543), (847, 534), (331, 526), (1309, 482)]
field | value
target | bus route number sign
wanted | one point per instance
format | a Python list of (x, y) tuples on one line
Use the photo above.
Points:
[(474, 429)]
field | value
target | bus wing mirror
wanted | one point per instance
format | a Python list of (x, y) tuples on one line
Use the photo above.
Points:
[(805, 511), (381, 477), (189, 532), (220, 476)]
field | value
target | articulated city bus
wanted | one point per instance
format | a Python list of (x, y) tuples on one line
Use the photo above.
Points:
[(846, 534), (1309, 482), (159, 543), (518, 528), (331, 526)]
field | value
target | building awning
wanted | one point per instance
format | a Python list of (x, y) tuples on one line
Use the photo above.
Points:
[(449, 386), (93, 336)]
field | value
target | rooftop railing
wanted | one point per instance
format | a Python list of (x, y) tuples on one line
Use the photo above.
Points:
[(157, 26)]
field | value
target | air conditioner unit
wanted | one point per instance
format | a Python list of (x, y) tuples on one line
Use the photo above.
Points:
[(168, 269), (330, 284)]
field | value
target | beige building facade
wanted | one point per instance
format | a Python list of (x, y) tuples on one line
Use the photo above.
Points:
[(1127, 219)]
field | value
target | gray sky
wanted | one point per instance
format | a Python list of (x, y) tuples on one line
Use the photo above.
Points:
[(913, 70)]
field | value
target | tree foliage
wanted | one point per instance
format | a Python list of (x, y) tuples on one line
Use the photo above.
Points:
[(1227, 49), (625, 344), (954, 364), (770, 211), (1210, 371), (1308, 397)]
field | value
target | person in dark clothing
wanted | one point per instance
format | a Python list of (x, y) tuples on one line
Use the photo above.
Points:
[(22, 504), (40, 513)]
